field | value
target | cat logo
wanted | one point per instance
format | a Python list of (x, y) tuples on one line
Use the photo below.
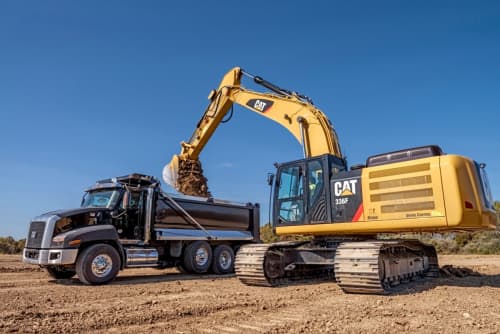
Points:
[(260, 104), (345, 188), (346, 192)]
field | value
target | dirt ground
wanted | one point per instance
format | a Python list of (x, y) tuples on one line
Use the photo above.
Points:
[(165, 301)]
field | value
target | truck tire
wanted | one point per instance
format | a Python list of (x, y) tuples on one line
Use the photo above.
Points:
[(98, 264), (223, 262), (60, 272), (181, 268), (197, 257)]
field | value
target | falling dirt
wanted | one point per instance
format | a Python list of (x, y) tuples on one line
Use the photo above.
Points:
[(190, 179), (166, 301)]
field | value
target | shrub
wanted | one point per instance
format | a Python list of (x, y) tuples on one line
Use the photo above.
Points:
[(9, 245), (267, 235)]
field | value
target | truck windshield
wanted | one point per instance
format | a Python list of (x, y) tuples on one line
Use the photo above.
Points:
[(100, 199)]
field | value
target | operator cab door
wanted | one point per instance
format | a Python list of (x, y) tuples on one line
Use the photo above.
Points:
[(289, 207), (317, 204), (301, 194)]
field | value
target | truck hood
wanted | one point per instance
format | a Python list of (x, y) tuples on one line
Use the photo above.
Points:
[(73, 212)]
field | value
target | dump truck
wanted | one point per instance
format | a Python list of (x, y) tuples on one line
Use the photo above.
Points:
[(129, 222)]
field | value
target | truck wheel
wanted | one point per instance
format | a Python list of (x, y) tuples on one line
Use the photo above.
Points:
[(198, 257), (60, 272), (98, 264), (223, 260), (181, 268)]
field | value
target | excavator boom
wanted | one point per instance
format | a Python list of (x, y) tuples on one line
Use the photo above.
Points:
[(293, 111)]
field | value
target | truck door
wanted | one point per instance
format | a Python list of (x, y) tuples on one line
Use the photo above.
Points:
[(133, 204)]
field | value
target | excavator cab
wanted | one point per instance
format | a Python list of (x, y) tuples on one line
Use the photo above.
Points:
[(302, 190)]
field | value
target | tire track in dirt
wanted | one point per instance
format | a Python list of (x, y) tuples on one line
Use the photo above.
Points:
[(260, 310), (149, 301)]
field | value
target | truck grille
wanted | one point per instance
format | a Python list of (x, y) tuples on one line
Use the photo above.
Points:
[(35, 235)]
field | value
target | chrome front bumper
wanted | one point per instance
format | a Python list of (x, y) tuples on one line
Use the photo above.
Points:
[(46, 257)]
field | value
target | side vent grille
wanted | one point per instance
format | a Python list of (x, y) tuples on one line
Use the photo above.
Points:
[(402, 192), (407, 207)]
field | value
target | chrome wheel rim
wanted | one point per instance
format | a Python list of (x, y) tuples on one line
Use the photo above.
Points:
[(225, 260), (102, 265), (201, 257)]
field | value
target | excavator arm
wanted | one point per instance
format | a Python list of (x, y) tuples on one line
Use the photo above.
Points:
[(293, 111)]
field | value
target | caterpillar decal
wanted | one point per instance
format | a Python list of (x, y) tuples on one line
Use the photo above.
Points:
[(347, 199), (261, 105)]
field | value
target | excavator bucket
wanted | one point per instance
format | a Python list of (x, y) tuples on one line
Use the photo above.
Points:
[(171, 172), (186, 176)]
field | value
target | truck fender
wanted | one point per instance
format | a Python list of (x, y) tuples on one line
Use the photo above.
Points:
[(94, 234)]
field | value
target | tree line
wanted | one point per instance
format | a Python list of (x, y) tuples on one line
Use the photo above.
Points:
[(483, 242)]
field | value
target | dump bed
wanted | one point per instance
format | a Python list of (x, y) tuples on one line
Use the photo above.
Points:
[(192, 218)]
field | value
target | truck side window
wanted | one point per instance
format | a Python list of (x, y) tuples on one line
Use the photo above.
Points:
[(133, 200)]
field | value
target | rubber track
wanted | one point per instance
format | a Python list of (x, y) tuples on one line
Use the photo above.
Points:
[(249, 264), (357, 265)]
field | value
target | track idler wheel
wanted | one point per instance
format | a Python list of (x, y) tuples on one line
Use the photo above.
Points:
[(273, 265)]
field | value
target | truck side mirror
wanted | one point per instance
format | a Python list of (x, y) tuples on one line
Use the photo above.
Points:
[(125, 200), (270, 179)]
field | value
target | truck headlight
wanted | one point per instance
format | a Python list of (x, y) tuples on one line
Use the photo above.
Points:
[(59, 239)]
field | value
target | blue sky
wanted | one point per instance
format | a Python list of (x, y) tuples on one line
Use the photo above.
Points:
[(96, 89)]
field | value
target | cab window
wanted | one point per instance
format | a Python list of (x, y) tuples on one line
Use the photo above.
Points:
[(290, 183), (315, 180), (290, 195)]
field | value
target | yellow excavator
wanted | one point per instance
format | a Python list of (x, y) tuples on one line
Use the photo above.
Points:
[(344, 209)]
